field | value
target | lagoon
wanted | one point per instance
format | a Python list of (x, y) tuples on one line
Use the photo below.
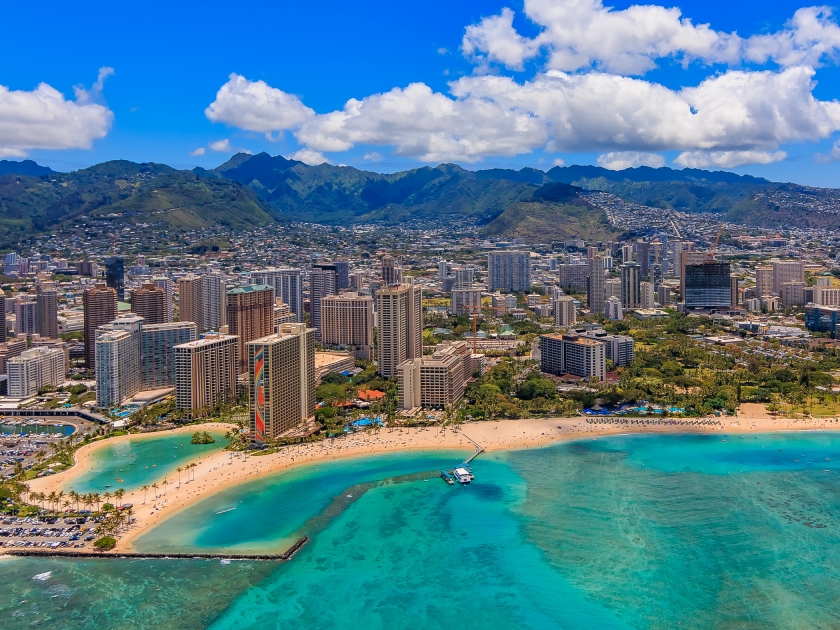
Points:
[(659, 531)]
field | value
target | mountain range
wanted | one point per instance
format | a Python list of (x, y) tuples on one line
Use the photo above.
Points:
[(254, 190)]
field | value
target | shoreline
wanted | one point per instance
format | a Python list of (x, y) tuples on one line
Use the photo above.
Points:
[(220, 472)]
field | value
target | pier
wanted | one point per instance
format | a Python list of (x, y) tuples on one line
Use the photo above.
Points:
[(479, 449), (286, 555)]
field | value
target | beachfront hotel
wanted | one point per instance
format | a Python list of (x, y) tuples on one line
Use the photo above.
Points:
[(281, 371), (572, 354), (437, 381), (100, 307), (347, 320), (250, 315), (205, 371), (399, 312)]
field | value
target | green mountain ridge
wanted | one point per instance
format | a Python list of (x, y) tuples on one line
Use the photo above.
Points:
[(249, 191)]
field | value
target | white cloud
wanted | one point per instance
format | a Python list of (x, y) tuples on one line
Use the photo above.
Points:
[(307, 156), (198, 151), (44, 119), (619, 160), (442, 51), (831, 156), (559, 162), (584, 33), (221, 146), (731, 118), (94, 94), (727, 159), (373, 156), (256, 106)]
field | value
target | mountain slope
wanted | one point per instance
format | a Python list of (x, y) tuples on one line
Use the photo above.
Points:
[(24, 167), (126, 193)]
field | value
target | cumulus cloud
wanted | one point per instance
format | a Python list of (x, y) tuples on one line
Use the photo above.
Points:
[(373, 156), (256, 106), (559, 162), (307, 156), (619, 160), (583, 98), (222, 146), (44, 119), (727, 159), (579, 34), (831, 156), (198, 151)]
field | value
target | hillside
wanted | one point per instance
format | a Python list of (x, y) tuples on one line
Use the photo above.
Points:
[(125, 193), (24, 167)]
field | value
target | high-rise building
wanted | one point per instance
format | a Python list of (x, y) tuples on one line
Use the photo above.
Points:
[(656, 275), (707, 285), (763, 281), (572, 354), (626, 253), (189, 300), (321, 284), (213, 302), (149, 302), (643, 258), (565, 314), (689, 258), (117, 361), (281, 369), (509, 271), (87, 268), (656, 256), (443, 269), (100, 307), (646, 293), (162, 282), (464, 301), (613, 308), (33, 369), (206, 371), (46, 299), (3, 328), (612, 288), (342, 274), (157, 351), (26, 316), (597, 285), (464, 278), (619, 348), (631, 285), (664, 293), (389, 272), (436, 381), (793, 294), (399, 312), (347, 321), (115, 275), (250, 316), (735, 292), (288, 285), (357, 281), (787, 271)]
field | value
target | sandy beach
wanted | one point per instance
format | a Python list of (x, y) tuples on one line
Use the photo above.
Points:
[(221, 471)]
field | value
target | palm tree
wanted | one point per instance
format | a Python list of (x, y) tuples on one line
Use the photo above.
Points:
[(144, 488), (52, 498), (119, 494), (96, 498), (179, 469), (59, 497), (107, 496), (164, 483), (66, 506), (155, 488), (75, 497)]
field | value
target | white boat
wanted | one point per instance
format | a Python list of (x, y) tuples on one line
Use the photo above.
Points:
[(227, 510), (462, 476)]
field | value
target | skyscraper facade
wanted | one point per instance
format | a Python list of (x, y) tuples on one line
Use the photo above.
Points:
[(250, 316), (342, 274), (213, 302), (189, 300), (162, 282), (399, 312), (708, 285), (389, 272), (787, 271), (117, 347), (509, 271), (157, 351), (321, 284), (288, 285), (564, 311), (100, 307), (149, 302), (347, 320), (597, 285), (33, 369), (46, 299), (115, 275), (281, 369), (631, 285), (26, 316), (206, 371)]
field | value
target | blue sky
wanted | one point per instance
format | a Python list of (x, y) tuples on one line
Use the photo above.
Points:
[(309, 59)]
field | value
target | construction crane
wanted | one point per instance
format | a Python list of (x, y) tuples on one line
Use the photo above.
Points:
[(711, 254)]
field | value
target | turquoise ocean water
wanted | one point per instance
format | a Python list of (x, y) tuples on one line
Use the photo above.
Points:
[(141, 461), (623, 532)]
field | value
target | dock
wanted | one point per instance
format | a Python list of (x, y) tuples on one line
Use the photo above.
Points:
[(479, 449), (286, 555)]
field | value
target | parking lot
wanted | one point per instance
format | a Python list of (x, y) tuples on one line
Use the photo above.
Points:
[(47, 533)]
